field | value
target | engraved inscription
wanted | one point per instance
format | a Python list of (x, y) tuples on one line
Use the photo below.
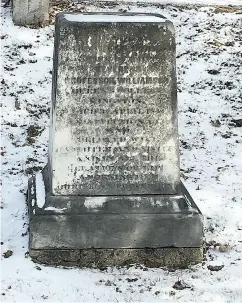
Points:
[(114, 120)]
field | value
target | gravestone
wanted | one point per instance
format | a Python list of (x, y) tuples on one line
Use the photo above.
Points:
[(30, 12), (111, 193)]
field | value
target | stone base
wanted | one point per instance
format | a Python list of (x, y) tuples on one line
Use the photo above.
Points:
[(159, 230), (172, 258)]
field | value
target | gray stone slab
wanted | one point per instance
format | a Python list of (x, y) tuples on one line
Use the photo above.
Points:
[(112, 222), (114, 114), (30, 12)]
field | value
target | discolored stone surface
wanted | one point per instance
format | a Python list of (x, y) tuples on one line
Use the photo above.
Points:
[(114, 124), (172, 258)]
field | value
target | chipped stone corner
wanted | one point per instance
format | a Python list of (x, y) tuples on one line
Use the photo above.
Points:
[(170, 27), (36, 193), (31, 196), (34, 13)]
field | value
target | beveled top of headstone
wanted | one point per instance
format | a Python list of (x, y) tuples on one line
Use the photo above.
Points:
[(114, 107)]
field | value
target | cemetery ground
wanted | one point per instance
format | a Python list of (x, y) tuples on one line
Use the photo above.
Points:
[(209, 43)]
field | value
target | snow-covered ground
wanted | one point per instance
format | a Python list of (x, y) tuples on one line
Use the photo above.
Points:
[(182, 2), (209, 45)]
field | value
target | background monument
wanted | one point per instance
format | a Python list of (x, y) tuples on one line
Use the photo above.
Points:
[(111, 193), (30, 12)]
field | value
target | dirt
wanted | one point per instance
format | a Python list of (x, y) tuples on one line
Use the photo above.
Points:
[(7, 253), (33, 131), (228, 9), (215, 268), (237, 122), (180, 285)]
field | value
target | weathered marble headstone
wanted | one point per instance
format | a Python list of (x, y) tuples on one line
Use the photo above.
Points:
[(112, 186), (30, 12)]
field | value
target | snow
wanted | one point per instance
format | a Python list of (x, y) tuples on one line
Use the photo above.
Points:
[(209, 94), (57, 210), (109, 18), (186, 2), (40, 190), (94, 202)]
